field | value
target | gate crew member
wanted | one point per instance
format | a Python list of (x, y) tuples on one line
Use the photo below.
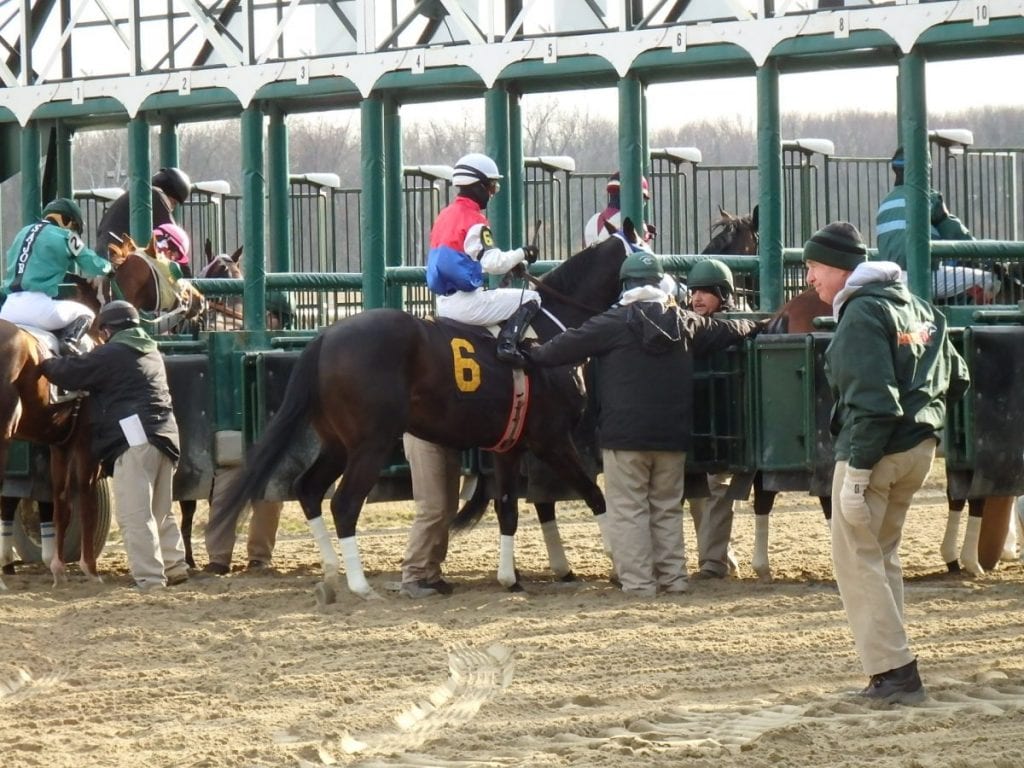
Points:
[(891, 368), (462, 250), (134, 437), (41, 255), (171, 188), (643, 348)]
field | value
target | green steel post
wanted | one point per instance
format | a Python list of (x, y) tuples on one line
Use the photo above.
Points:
[(140, 191), (914, 137), (516, 177), (631, 148), (254, 300), (394, 202), (769, 160), (31, 178), (65, 182), (645, 153), (168, 143), (277, 192), (372, 212), (499, 210)]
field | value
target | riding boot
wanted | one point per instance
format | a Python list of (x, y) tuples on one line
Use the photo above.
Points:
[(71, 338), (513, 331)]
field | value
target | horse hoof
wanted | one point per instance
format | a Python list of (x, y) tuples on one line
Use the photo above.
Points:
[(567, 578), (953, 566), (517, 587), (368, 594), (324, 594), (8, 570)]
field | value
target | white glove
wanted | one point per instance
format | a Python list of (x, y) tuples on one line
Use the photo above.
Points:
[(852, 504)]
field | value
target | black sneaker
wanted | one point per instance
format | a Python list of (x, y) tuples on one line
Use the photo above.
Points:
[(897, 686), (423, 588)]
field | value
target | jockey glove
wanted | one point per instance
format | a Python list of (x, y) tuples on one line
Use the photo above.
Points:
[(652, 232), (531, 253), (852, 504)]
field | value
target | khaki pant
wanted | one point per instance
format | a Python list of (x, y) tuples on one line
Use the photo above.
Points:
[(712, 520), (435, 474), (645, 522), (142, 499), (266, 515), (867, 558)]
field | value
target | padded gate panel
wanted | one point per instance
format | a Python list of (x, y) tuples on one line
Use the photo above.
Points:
[(188, 379)]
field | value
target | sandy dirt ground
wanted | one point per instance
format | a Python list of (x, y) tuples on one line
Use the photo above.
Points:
[(247, 670)]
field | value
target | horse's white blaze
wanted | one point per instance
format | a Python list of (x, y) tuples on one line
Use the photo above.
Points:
[(506, 561), (357, 582), (969, 551), (952, 535), (760, 558), (556, 552), (328, 557)]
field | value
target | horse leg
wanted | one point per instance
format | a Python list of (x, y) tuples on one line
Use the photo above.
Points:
[(188, 513), (764, 500), (992, 530), (310, 488), (947, 549), (8, 510), (553, 541), (972, 535), (506, 475), (60, 478), (361, 473)]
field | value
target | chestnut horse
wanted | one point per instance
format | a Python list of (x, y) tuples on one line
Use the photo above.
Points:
[(28, 413), (368, 378)]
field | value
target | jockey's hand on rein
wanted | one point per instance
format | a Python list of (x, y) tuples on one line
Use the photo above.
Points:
[(531, 253)]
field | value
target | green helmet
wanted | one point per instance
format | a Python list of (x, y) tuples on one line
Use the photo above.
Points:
[(641, 266), (711, 273), (68, 210)]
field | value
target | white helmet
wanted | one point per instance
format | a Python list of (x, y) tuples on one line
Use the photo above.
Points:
[(474, 167)]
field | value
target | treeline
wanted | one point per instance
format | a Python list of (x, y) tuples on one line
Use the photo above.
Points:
[(330, 143)]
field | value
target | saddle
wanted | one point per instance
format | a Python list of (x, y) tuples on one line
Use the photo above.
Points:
[(48, 344)]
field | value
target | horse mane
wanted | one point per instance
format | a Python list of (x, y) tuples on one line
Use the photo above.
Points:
[(731, 234), (591, 276)]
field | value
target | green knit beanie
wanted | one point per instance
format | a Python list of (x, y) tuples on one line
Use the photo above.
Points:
[(838, 244)]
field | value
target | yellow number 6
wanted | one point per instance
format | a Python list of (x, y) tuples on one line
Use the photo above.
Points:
[(467, 370)]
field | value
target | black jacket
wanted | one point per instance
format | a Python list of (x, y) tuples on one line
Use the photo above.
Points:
[(125, 376), (117, 219), (643, 357)]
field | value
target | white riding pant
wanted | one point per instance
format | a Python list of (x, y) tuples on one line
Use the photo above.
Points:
[(484, 307), (41, 311)]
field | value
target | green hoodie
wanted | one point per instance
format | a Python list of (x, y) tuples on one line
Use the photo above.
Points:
[(136, 338), (891, 365)]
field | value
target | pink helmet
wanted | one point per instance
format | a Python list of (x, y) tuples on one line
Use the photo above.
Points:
[(614, 184), (176, 236)]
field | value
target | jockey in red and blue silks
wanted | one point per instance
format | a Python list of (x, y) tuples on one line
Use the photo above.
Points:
[(462, 251)]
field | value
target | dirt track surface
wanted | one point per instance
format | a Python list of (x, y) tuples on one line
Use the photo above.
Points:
[(247, 670)]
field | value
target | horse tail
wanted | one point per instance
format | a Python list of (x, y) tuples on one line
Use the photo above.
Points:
[(282, 430), (474, 507)]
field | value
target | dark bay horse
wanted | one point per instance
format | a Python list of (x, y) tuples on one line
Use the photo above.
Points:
[(27, 412), (368, 378)]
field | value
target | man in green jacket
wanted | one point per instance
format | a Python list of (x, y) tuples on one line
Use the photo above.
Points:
[(892, 369), (42, 253)]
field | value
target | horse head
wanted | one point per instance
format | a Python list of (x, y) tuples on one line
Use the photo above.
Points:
[(223, 312), (734, 235)]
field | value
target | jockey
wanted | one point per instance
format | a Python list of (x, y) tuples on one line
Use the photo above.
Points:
[(595, 230), (462, 250), (36, 264), (711, 287), (173, 242), (171, 188)]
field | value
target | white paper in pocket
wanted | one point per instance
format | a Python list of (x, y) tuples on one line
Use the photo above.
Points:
[(133, 431)]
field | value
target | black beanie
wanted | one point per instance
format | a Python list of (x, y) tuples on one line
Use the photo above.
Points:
[(838, 244)]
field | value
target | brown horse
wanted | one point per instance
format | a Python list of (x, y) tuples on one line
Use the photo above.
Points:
[(27, 411), (368, 378)]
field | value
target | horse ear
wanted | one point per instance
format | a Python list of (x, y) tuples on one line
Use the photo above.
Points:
[(151, 247), (610, 228), (237, 254), (629, 230), (129, 244), (208, 250), (753, 218), (723, 213)]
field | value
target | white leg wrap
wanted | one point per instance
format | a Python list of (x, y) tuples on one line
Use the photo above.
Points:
[(969, 551), (357, 582), (606, 540), (556, 552), (506, 561), (7, 542), (952, 535), (760, 559), (46, 540), (1009, 553), (324, 542)]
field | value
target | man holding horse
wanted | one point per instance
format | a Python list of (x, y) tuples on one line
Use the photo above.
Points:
[(643, 348), (892, 368), (171, 188), (134, 437), (42, 253)]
